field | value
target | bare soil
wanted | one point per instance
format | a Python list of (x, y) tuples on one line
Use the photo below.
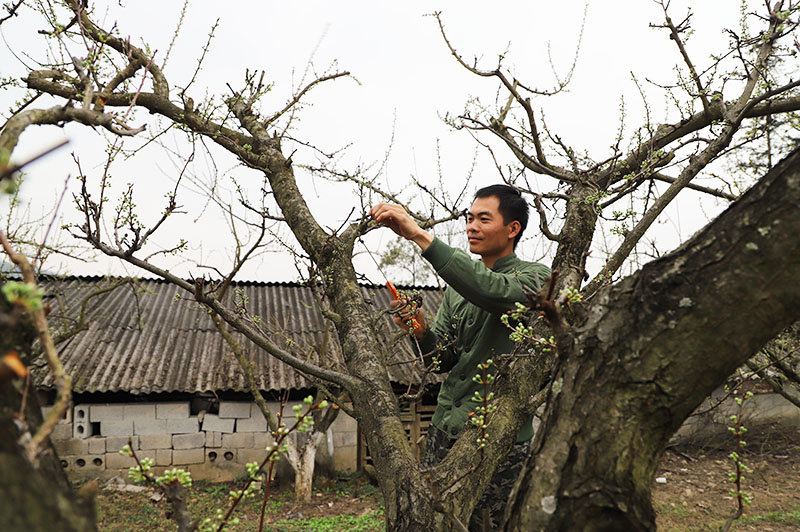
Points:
[(694, 497)]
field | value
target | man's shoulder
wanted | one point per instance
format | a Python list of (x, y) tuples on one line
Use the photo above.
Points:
[(531, 273), (529, 266)]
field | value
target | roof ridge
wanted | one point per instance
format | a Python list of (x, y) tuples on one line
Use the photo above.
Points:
[(159, 280)]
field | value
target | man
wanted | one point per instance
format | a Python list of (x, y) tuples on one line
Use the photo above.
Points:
[(467, 329)]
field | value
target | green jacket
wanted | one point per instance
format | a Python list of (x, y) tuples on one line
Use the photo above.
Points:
[(468, 325)]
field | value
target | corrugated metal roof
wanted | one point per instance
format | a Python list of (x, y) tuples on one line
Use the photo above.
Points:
[(142, 339)]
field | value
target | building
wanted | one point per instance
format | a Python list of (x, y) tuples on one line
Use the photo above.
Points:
[(149, 365)]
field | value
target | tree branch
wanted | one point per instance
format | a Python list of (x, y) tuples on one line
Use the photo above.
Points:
[(63, 381), (775, 385)]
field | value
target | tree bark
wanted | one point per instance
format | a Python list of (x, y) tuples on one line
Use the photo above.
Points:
[(33, 496), (301, 456), (649, 349), (626, 372), (579, 225)]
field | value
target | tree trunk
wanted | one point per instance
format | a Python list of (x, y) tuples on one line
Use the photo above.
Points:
[(33, 497), (649, 350), (302, 454)]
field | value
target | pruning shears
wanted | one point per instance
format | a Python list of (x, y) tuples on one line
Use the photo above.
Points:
[(393, 290)]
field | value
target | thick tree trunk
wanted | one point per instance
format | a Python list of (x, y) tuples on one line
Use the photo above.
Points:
[(33, 497), (648, 352)]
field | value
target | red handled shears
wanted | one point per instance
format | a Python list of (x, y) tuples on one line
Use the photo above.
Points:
[(393, 290)]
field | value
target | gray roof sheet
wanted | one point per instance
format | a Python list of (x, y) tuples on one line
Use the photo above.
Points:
[(142, 339)]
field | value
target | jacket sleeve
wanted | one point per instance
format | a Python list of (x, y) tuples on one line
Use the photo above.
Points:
[(438, 340), (492, 291)]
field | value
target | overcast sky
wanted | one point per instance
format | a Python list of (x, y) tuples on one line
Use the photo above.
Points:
[(404, 80)]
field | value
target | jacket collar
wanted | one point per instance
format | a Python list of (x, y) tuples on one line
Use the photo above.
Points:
[(504, 262)]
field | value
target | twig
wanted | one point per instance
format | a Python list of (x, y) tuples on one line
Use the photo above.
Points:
[(42, 245), (11, 170), (62, 380), (12, 10)]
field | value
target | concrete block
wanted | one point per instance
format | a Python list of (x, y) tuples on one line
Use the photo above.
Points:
[(149, 425), (117, 461), (71, 447), (252, 424), (65, 463), (155, 441), (344, 423), (138, 411), (120, 427), (234, 409), (212, 422), (163, 457), (345, 459), (244, 456), (189, 441), (221, 456), (87, 463), (81, 430), (66, 417), (81, 413), (183, 426), (261, 440), (188, 456), (115, 443), (216, 471), (239, 440), (213, 439), (62, 431), (106, 412), (344, 439), (172, 410), (97, 445)]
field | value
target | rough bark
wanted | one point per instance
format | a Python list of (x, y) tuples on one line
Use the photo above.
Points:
[(579, 226), (405, 490), (33, 496), (649, 350), (625, 369)]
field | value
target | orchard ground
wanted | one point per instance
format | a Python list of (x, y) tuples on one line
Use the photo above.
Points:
[(694, 498)]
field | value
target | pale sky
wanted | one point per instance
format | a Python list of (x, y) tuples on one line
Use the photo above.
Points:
[(405, 81)]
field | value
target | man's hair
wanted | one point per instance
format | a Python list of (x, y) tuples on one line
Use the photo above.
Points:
[(512, 206)]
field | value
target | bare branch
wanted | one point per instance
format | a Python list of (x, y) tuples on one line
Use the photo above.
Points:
[(63, 381), (12, 10), (543, 227), (296, 98), (675, 35), (11, 170), (719, 193), (775, 385)]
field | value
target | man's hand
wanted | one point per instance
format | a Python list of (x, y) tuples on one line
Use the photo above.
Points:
[(403, 318), (398, 220)]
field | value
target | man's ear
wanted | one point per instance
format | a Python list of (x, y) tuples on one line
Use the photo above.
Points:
[(515, 227)]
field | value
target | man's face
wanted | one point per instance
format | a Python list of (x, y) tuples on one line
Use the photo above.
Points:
[(488, 235)]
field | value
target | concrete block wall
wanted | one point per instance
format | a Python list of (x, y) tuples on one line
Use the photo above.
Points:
[(211, 446), (344, 435), (762, 411)]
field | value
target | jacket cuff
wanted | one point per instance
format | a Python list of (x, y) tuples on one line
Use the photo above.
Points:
[(438, 254)]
